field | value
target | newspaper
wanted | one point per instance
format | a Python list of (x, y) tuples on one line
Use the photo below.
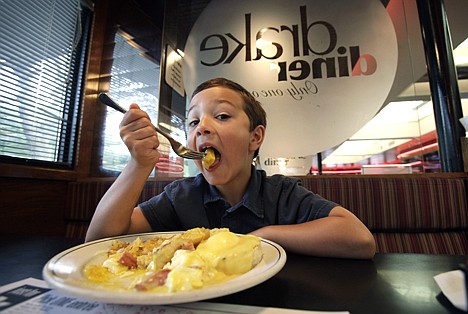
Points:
[(33, 296)]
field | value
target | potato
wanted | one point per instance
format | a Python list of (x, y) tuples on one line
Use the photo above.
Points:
[(209, 158)]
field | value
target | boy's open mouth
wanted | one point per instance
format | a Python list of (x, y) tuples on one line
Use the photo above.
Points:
[(212, 157)]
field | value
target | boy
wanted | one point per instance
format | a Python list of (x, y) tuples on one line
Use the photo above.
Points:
[(225, 117)]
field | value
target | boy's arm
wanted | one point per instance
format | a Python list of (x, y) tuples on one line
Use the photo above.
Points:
[(341, 234), (116, 213), (113, 215)]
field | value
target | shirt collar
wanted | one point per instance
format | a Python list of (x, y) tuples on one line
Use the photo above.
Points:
[(252, 199)]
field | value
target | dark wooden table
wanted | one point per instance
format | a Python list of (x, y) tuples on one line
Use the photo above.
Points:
[(390, 283)]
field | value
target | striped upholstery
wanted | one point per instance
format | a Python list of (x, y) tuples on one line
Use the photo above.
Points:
[(83, 197), (406, 213), (76, 229), (423, 203), (450, 242)]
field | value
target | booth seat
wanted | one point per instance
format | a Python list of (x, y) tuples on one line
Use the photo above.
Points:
[(418, 213), (406, 213), (84, 196)]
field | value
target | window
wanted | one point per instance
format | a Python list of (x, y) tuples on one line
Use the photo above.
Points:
[(42, 45), (134, 79)]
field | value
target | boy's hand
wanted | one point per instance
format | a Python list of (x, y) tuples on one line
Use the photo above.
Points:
[(139, 135)]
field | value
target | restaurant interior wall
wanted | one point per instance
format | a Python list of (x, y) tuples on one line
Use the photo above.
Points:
[(146, 34), (401, 133), (29, 192), (410, 88)]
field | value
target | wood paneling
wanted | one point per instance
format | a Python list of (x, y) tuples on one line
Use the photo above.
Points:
[(464, 145), (92, 114), (32, 206)]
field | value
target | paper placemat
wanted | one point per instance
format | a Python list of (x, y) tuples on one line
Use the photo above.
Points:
[(35, 297)]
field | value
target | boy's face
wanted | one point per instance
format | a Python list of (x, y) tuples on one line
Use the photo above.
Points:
[(216, 119)]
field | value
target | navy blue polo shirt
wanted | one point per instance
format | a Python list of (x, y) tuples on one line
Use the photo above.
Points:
[(193, 202)]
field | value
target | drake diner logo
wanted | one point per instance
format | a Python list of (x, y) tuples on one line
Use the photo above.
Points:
[(321, 69)]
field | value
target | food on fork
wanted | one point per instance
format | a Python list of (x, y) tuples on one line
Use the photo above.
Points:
[(191, 260), (209, 158)]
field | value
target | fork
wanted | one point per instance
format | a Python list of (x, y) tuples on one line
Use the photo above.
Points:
[(177, 147)]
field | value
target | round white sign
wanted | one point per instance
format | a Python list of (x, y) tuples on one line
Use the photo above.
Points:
[(321, 69)]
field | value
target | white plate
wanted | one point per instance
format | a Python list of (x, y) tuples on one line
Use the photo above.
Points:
[(64, 273)]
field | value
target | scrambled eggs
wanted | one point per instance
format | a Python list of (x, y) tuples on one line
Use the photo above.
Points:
[(209, 158), (187, 261)]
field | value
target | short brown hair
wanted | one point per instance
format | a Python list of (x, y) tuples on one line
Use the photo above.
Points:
[(252, 107)]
